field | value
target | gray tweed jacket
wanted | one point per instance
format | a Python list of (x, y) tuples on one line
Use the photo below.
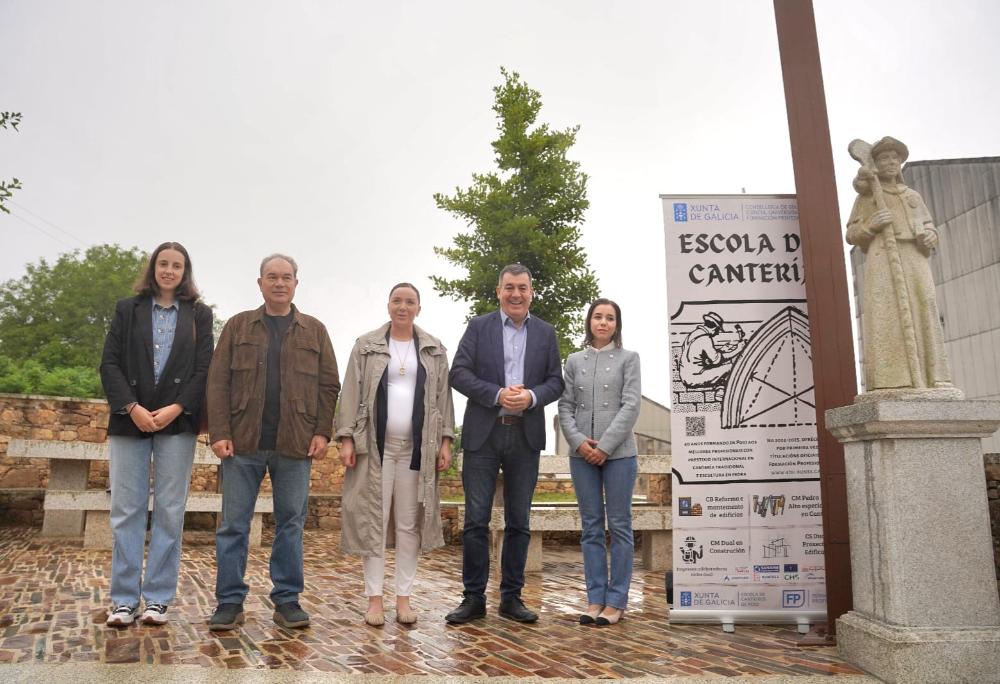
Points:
[(601, 400)]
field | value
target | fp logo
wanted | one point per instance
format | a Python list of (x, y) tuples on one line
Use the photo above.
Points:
[(793, 598), (680, 212)]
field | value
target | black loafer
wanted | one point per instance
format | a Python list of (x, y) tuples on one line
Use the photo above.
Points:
[(513, 609), (470, 609)]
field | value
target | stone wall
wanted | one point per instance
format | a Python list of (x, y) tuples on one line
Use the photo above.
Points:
[(54, 418), (66, 419), (23, 481), (993, 497)]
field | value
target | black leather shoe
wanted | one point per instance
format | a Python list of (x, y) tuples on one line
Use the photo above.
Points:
[(471, 608), (513, 609)]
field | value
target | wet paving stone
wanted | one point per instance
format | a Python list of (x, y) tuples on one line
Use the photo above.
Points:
[(54, 598)]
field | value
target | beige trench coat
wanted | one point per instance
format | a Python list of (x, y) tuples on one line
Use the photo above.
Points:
[(361, 503)]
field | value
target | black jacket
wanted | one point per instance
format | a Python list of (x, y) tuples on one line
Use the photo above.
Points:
[(127, 365)]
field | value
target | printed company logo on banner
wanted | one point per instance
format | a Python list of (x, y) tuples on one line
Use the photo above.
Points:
[(752, 599), (688, 552), (685, 508), (793, 598), (773, 504), (705, 211), (746, 470)]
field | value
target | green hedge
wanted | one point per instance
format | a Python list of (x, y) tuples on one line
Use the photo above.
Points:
[(30, 377)]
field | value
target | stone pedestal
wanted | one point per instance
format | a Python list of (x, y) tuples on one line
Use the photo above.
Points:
[(533, 563), (65, 474), (658, 550), (97, 534), (925, 595)]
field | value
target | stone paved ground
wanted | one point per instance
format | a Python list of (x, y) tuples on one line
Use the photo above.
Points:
[(53, 596)]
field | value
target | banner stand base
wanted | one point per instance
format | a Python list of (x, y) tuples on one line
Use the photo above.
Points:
[(818, 635), (803, 619)]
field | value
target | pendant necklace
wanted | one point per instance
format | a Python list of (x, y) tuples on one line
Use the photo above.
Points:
[(402, 361)]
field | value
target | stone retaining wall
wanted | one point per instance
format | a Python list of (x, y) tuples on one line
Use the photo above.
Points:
[(992, 462), (67, 419), (23, 481)]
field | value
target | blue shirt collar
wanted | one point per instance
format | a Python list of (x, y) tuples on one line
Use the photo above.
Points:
[(504, 318), (173, 305)]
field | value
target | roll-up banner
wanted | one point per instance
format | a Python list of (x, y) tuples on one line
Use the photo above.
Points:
[(748, 530)]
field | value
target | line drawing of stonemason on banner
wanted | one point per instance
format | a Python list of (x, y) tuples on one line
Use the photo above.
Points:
[(904, 356), (764, 377), (709, 352)]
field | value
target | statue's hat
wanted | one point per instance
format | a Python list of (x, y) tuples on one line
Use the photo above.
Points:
[(889, 143)]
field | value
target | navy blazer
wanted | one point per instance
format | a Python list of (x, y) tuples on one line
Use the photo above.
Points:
[(477, 371), (127, 364)]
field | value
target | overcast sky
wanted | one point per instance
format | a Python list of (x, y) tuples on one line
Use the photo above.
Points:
[(322, 129)]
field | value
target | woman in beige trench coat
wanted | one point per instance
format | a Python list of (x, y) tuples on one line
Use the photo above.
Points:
[(395, 424)]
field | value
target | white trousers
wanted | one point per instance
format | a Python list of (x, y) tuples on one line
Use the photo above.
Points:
[(399, 492)]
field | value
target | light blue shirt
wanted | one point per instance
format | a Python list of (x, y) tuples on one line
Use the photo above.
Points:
[(164, 327), (515, 341)]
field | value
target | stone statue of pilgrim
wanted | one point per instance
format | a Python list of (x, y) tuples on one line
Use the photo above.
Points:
[(904, 355)]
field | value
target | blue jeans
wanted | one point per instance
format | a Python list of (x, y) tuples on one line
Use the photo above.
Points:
[(606, 490), (507, 449), (129, 470), (241, 478)]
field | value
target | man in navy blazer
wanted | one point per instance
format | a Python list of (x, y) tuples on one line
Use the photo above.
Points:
[(507, 364)]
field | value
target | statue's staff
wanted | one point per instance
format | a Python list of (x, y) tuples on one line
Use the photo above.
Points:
[(862, 152)]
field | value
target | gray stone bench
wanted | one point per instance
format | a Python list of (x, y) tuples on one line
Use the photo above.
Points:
[(73, 510), (654, 522), (96, 504)]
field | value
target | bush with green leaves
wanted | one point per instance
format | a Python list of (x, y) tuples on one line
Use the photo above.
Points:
[(31, 377), (58, 313)]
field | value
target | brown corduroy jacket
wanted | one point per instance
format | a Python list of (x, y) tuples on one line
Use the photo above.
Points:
[(238, 376)]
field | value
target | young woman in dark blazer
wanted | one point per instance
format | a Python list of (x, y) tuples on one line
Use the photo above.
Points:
[(153, 369)]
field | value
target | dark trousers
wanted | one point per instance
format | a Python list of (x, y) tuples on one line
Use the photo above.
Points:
[(505, 449)]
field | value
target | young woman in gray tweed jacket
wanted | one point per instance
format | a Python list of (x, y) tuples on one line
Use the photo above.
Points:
[(597, 412)]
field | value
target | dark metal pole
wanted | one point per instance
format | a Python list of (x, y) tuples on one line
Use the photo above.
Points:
[(826, 277)]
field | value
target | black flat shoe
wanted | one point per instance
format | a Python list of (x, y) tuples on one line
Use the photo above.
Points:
[(605, 622), (470, 609), (590, 615), (514, 609)]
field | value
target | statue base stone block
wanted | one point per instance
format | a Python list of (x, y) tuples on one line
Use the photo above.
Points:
[(907, 654), (925, 596)]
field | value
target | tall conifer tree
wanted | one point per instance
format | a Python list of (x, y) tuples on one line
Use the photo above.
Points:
[(528, 211)]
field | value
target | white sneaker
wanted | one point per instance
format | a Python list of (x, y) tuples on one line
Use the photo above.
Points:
[(121, 616), (155, 614)]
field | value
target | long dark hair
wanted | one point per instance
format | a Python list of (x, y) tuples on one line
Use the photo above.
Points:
[(588, 336), (186, 290)]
